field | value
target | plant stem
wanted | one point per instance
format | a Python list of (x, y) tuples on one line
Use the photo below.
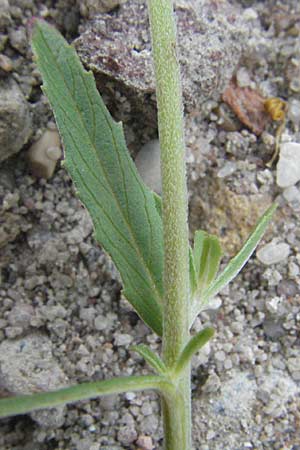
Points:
[(177, 407)]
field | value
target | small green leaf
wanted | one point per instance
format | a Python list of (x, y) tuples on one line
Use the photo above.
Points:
[(152, 359), (207, 254), (195, 344), (126, 221), (236, 264)]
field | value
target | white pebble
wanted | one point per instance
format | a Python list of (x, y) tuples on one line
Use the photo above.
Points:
[(228, 169), (148, 165), (294, 111), (273, 253), (288, 167), (292, 196)]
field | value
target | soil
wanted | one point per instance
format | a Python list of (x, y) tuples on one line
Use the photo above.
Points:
[(62, 316)]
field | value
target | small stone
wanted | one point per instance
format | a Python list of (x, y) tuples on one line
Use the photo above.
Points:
[(273, 253), (145, 442), (146, 409), (228, 169), (10, 200), (243, 78), (18, 40), (127, 435), (15, 119), (294, 111), (273, 329), (288, 167), (293, 364), (148, 165), (292, 196), (5, 63), (88, 8), (21, 315), (220, 356), (123, 339), (44, 154), (5, 18)]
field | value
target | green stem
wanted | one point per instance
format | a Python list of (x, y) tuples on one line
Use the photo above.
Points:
[(26, 403), (177, 408)]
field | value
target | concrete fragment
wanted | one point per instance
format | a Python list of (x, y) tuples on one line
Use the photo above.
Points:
[(28, 366), (15, 119), (44, 154), (273, 253), (288, 167)]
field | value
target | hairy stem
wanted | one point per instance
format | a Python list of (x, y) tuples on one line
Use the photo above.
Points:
[(26, 403), (176, 409)]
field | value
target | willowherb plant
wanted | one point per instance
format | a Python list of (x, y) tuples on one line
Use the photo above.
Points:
[(167, 282)]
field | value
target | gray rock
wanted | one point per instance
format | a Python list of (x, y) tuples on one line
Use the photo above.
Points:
[(15, 119), (26, 366), (210, 45), (273, 329), (288, 167), (123, 339), (273, 253), (4, 14)]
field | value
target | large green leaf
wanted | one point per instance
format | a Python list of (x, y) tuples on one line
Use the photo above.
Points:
[(126, 221)]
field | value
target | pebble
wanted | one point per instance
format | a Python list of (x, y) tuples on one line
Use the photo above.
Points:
[(127, 435), (123, 339), (148, 165), (292, 196), (228, 169), (288, 167), (294, 367), (294, 111), (273, 253), (145, 442), (44, 154)]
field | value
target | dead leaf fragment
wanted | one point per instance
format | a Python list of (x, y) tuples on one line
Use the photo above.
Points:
[(248, 105)]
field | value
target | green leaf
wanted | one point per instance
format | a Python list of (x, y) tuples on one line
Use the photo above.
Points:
[(207, 255), (236, 264), (23, 404), (152, 359), (195, 344), (126, 221)]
